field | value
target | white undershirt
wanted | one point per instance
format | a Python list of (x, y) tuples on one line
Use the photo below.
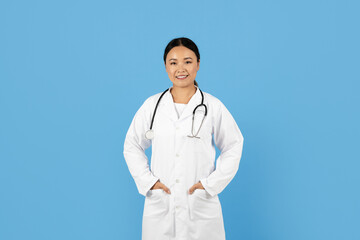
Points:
[(179, 108)]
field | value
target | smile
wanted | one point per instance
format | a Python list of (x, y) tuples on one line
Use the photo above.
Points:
[(182, 76)]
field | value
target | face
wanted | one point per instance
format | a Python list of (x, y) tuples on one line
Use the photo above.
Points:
[(181, 65)]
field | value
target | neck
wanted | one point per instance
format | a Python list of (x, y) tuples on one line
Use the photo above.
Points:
[(182, 95)]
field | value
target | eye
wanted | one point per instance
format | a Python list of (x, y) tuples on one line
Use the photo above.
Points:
[(172, 63), (188, 61)]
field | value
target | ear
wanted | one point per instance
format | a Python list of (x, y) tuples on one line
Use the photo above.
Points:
[(198, 65)]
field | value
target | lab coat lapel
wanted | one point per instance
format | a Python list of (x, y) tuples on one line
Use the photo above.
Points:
[(169, 106), (194, 101)]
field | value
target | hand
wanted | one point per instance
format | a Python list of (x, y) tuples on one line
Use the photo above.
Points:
[(159, 185), (197, 185)]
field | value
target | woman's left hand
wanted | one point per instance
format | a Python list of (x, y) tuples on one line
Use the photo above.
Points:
[(197, 185)]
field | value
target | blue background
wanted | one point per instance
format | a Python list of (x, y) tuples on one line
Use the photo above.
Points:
[(73, 74)]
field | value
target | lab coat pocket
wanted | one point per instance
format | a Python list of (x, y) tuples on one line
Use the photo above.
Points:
[(203, 206), (156, 203)]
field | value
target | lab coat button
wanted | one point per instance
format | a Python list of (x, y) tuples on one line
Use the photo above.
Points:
[(177, 128), (177, 180), (177, 155)]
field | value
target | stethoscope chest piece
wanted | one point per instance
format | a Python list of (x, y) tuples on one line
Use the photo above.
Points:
[(149, 134)]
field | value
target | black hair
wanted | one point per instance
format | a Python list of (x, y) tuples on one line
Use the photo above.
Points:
[(186, 42)]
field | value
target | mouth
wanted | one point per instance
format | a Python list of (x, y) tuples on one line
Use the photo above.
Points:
[(181, 77)]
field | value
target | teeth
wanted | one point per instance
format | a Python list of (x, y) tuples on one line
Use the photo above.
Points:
[(182, 76)]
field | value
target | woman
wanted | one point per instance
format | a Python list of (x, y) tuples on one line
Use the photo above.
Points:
[(182, 185)]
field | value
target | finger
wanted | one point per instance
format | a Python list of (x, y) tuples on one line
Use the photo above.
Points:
[(192, 189), (166, 189)]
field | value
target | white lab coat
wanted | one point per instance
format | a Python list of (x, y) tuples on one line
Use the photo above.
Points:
[(180, 162)]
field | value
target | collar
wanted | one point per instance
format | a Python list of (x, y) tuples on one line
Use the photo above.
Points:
[(169, 106)]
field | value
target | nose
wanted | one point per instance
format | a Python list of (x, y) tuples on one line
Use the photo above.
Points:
[(181, 68)]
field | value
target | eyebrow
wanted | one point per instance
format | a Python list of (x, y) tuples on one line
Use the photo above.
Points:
[(176, 59)]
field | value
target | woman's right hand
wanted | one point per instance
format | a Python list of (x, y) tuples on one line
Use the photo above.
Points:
[(159, 185)]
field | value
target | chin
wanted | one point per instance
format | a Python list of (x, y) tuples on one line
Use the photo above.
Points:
[(183, 84)]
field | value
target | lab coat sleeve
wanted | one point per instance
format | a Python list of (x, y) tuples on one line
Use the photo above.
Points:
[(134, 149), (229, 140)]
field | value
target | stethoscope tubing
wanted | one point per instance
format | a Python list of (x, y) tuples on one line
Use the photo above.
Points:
[(201, 104), (152, 119)]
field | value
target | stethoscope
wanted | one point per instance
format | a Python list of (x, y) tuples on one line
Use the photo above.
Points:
[(149, 134)]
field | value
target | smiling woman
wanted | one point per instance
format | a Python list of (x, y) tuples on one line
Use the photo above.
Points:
[(182, 65), (182, 51), (180, 161)]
